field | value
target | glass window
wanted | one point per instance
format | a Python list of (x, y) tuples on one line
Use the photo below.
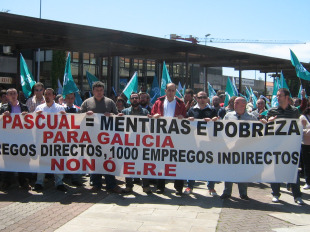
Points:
[(74, 69), (121, 62), (41, 56), (105, 61), (85, 58), (75, 57), (150, 65), (48, 55), (92, 58), (89, 68), (127, 63)]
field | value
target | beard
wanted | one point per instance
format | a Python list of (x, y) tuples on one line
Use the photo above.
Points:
[(135, 104), (143, 103)]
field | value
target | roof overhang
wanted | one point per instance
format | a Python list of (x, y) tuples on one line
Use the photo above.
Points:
[(23, 32)]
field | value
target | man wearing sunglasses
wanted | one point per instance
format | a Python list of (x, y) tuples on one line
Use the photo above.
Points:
[(135, 109), (37, 98), (202, 110)]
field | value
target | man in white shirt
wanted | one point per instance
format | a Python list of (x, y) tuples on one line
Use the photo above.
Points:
[(169, 106), (49, 107)]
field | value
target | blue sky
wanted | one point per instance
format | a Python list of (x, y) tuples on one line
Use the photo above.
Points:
[(226, 19)]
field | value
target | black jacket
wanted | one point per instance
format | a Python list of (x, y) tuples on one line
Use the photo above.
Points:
[(8, 107), (202, 113)]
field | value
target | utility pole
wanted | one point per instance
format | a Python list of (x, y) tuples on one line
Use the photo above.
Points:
[(39, 53)]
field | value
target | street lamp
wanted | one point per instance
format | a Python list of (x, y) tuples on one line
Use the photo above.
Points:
[(206, 38)]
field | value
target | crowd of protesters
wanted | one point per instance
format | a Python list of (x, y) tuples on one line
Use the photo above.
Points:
[(193, 106)]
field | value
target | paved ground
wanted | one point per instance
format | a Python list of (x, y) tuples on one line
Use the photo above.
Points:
[(81, 210)]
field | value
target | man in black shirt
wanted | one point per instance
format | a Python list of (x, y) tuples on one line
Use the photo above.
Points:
[(284, 110), (202, 110)]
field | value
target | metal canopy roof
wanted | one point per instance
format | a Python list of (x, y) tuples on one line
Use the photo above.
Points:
[(23, 32)]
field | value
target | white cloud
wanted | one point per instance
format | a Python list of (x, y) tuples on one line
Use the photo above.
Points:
[(302, 51)]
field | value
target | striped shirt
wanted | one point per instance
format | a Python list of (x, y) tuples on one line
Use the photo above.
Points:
[(32, 103), (289, 112)]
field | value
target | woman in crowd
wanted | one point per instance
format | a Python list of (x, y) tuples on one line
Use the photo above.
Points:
[(120, 104)]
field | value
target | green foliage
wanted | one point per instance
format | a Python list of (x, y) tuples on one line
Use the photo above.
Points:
[(58, 67)]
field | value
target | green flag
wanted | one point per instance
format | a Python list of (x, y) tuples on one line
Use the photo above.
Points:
[(211, 92), (229, 91), (155, 91), (165, 79), (69, 85), (254, 98), (299, 92), (26, 78), (301, 72), (283, 84), (132, 86), (274, 99), (248, 94), (91, 79)]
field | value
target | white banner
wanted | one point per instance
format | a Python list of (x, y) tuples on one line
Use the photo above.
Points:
[(168, 148)]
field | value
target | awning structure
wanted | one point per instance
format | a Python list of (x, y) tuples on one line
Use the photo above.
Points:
[(23, 32)]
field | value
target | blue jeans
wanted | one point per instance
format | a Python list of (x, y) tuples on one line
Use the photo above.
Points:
[(243, 187), (191, 183), (295, 188), (97, 181), (58, 179)]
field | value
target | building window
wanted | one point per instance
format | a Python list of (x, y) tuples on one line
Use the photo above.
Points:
[(92, 58), (105, 61), (85, 58), (150, 65), (75, 57)]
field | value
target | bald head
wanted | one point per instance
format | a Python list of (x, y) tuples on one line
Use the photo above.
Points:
[(170, 91), (240, 105), (216, 101), (260, 104)]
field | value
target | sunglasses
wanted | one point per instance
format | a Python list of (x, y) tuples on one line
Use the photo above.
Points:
[(133, 98), (203, 97), (38, 90)]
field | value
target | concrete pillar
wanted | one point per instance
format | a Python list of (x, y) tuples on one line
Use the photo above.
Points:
[(80, 73), (115, 73), (265, 90)]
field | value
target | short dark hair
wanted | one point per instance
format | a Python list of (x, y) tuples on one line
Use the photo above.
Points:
[(97, 84), (2, 92), (285, 91), (147, 95), (12, 89), (261, 98), (57, 97), (38, 84), (222, 95), (232, 99), (53, 91), (134, 93), (120, 99), (189, 91)]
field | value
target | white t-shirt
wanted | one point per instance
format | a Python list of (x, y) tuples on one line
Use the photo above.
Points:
[(169, 107), (55, 108)]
